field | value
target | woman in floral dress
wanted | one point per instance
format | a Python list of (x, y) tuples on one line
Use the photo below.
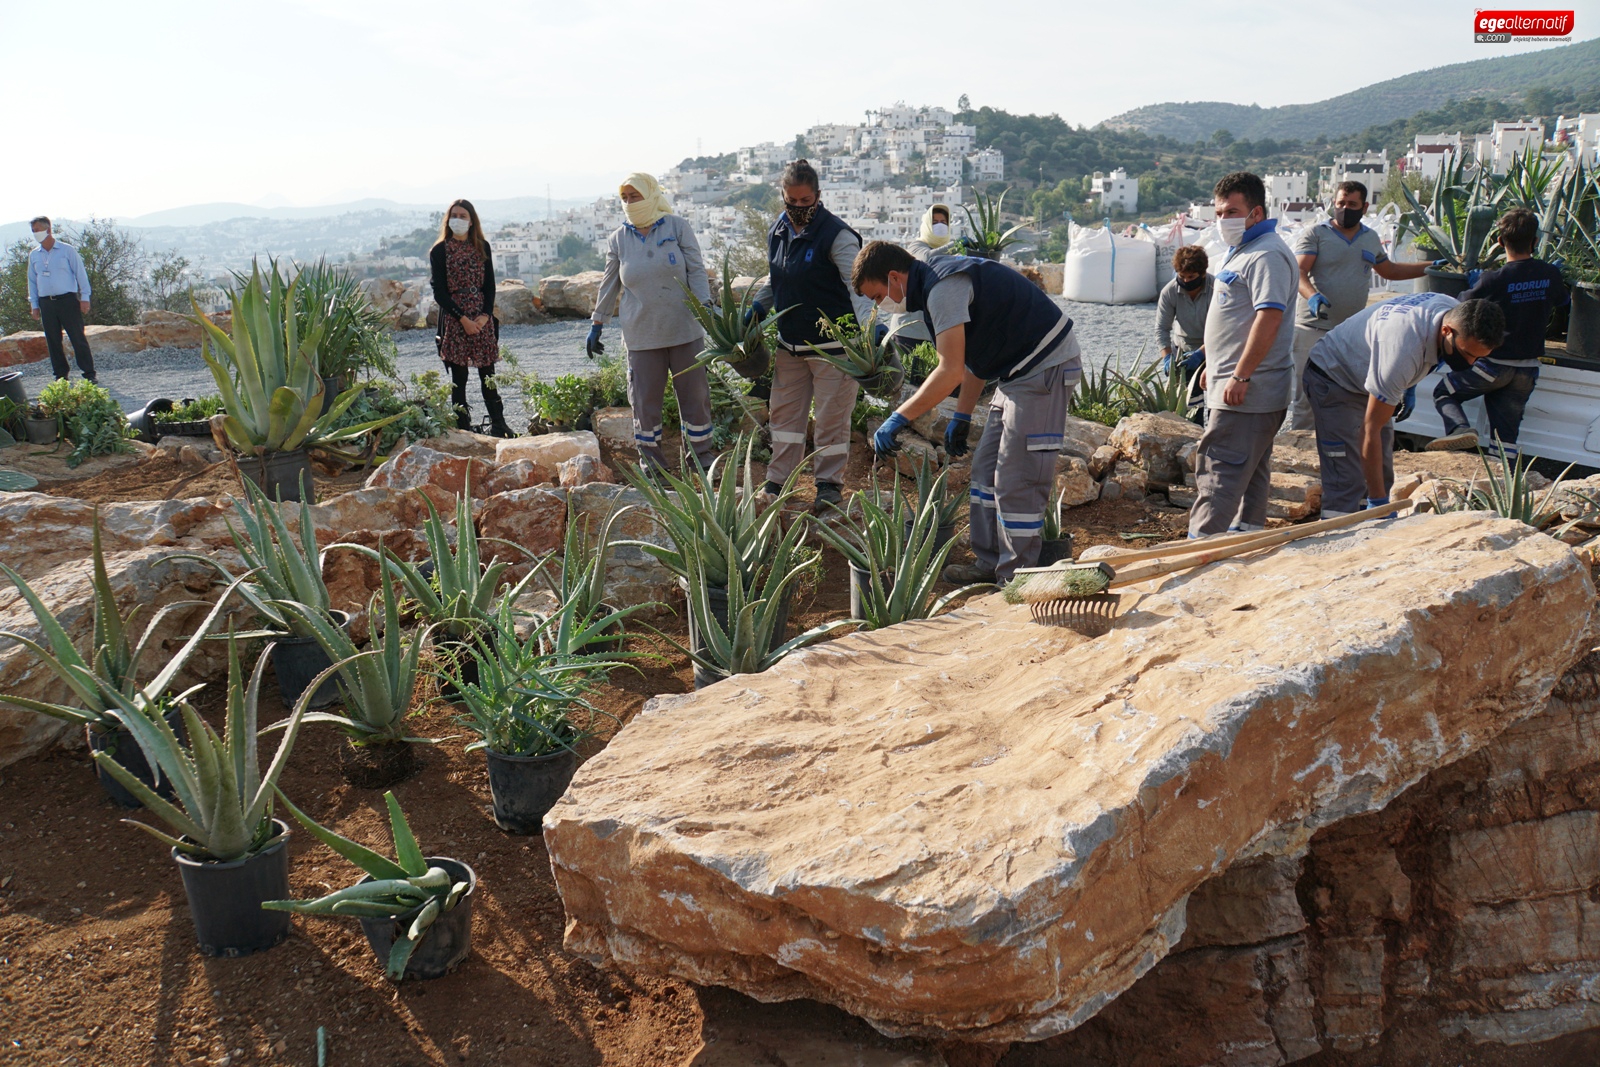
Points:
[(463, 287)]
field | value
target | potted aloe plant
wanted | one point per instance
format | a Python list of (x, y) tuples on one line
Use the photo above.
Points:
[(231, 852), (527, 706), (985, 239), (893, 573), (586, 624), (105, 684), (932, 490), (1055, 542), (272, 390), (377, 686), (869, 359), (416, 910), (283, 567), (733, 333)]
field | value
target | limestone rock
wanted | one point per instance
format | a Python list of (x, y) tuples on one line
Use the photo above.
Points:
[(583, 469), (522, 474), (26, 346), (1295, 452), (1152, 441), (418, 465), (994, 853), (1129, 481), (516, 305), (536, 519), (1074, 484), (571, 297), (548, 450), (633, 576), (1186, 458), (169, 329), (1101, 462), (614, 427), (1247, 904), (914, 454), (113, 340), (1083, 437)]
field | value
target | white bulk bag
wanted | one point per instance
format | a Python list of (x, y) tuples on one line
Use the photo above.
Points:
[(1104, 269)]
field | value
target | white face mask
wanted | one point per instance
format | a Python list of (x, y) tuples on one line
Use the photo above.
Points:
[(890, 306), (1232, 231), (941, 230), (41, 235), (460, 226)]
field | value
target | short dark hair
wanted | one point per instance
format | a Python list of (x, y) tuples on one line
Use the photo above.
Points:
[(38, 219), (800, 172), (1353, 187), (1190, 258), (1244, 183), (874, 262), (1481, 320), (1519, 228)]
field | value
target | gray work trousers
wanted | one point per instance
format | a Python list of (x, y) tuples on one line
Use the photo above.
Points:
[(1233, 471), (1305, 338), (648, 372), (1341, 418), (797, 382), (1014, 467)]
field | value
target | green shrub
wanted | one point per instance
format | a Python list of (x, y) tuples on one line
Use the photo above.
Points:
[(423, 404), (198, 410), (93, 421)]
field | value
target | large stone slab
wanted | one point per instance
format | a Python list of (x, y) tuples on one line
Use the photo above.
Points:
[(984, 828)]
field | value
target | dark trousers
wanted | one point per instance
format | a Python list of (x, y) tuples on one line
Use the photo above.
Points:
[(491, 396), (1505, 391), (57, 313), (1233, 471)]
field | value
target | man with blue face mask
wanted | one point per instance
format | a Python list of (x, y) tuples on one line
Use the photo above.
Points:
[(58, 295), (1248, 365)]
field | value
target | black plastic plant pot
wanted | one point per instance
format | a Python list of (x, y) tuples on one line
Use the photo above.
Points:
[(1055, 550), (459, 652), (1448, 282), (297, 660), (525, 787), (42, 431), (860, 582), (144, 422), (12, 388), (704, 677), (718, 595), (607, 646), (225, 898), (120, 745), (447, 942), (278, 473), (1583, 321), (947, 530)]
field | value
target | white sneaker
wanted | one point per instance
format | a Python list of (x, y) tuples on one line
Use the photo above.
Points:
[(1460, 441)]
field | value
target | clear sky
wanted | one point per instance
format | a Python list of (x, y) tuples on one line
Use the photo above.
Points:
[(121, 107)]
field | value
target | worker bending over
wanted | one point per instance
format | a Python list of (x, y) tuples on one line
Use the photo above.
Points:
[(989, 323), (1358, 373)]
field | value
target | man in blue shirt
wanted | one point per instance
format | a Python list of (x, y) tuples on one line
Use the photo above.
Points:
[(58, 292)]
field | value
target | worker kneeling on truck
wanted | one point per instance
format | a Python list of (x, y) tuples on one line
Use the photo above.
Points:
[(1359, 373)]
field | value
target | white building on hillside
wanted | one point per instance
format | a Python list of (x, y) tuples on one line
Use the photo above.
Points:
[(1369, 168), (1284, 188), (1586, 139), (1116, 190), (1506, 142), (1429, 152), (762, 161), (988, 165), (959, 138), (944, 167)]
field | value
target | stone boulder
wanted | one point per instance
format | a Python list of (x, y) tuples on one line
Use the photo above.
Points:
[(516, 305), (995, 853), (39, 531), (1082, 437), (113, 340), (522, 474), (571, 297), (26, 346), (384, 294), (583, 469), (633, 576), (548, 450), (1125, 481), (1152, 441), (1074, 484), (536, 519), (168, 329), (614, 427), (418, 465)]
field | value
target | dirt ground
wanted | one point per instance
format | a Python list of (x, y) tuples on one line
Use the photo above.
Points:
[(97, 958)]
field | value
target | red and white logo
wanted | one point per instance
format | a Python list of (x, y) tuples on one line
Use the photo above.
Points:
[(1503, 26)]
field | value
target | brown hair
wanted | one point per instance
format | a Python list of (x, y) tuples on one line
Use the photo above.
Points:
[(1519, 228), (1190, 259), (1246, 184), (876, 260), (801, 172), (474, 232)]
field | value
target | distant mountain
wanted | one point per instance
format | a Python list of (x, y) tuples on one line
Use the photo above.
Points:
[(515, 209), (1573, 68)]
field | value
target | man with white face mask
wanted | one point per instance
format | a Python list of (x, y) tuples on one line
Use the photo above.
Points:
[(1248, 364), (58, 296)]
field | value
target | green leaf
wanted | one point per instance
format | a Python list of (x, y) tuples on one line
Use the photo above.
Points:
[(405, 843)]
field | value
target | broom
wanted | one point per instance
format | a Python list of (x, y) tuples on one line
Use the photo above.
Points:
[(1038, 585)]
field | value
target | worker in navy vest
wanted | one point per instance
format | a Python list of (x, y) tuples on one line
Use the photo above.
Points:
[(810, 252), (989, 323)]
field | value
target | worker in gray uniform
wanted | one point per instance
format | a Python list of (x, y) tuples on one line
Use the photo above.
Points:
[(1337, 259), (1248, 364), (989, 323), (649, 261), (1358, 373), (810, 252), (1184, 300)]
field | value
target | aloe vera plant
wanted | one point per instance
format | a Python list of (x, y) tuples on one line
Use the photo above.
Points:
[(1509, 494), (224, 809), (901, 571), (583, 617), (1053, 518), (105, 683), (932, 492), (393, 888), (985, 238), (872, 361), (268, 373), (733, 332), (1150, 388)]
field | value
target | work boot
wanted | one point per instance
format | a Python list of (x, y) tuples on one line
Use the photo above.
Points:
[(829, 498), (1460, 441), (966, 573)]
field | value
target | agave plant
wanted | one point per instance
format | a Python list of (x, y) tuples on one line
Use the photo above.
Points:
[(393, 888), (583, 617), (736, 535), (355, 334), (898, 571), (1458, 220), (985, 238), (226, 800), (1508, 493), (106, 683), (1054, 519), (268, 373), (933, 492), (733, 333), (1150, 388), (872, 361)]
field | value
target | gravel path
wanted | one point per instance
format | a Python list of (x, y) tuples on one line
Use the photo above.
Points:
[(553, 349)]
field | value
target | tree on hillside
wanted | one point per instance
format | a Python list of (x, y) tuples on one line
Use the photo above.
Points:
[(115, 264), (168, 286), (1222, 138), (14, 307)]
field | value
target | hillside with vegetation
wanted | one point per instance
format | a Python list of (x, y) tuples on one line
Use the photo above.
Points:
[(1571, 69)]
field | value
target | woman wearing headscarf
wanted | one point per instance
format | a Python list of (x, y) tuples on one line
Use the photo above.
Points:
[(935, 237), (649, 260), (463, 287)]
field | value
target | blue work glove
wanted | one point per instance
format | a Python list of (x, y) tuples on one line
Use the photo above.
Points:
[(1440, 264), (1376, 502), (1472, 277), (1166, 363), (1408, 404), (593, 346), (755, 314), (1318, 305), (1193, 361), (879, 333), (883, 442), (955, 434)]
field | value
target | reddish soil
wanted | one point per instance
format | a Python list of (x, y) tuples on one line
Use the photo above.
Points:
[(160, 476)]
